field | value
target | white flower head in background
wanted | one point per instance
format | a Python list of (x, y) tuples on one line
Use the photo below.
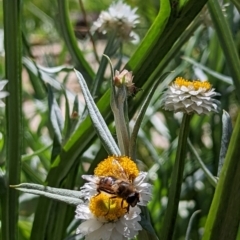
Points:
[(190, 97), (3, 94), (119, 18), (108, 213)]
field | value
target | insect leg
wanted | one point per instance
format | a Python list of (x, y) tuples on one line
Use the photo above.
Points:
[(109, 204), (127, 208)]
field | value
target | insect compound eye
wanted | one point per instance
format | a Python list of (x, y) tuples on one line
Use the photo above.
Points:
[(133, 199)]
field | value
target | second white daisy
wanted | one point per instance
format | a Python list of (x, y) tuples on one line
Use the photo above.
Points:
[(119, 18), (190, 97)]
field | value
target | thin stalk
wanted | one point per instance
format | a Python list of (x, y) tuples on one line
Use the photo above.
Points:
[(13, 66), (88, 30), (103, 64), (177, 176), (123, 128), (71, 42), (189, 228)]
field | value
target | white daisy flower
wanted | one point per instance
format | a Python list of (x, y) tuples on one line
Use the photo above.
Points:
[(109, 212), (119, 18), (97, 228), (191, 97), (3, 94)]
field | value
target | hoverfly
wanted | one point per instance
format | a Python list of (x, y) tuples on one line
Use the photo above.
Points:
[(119, 186)]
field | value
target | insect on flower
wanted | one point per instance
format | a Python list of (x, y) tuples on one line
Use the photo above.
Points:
[(118, 186)]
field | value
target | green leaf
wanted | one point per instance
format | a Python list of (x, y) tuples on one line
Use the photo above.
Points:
[(67, 122), (217, 75), (226, 136), (223, 218), (142, 111), (63, 195), (13, 70), (48, 78), (97, 119), (31, 174), (237, 4), (70, 40), (55, 70), (161, 37), (27, 157), (55, 116), (226, 41), (110, 49)]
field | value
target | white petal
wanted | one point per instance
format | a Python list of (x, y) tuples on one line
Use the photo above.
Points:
[(116, 235), (198, 109), (195, 92), (2, 104), (83, 212), (89, 226), (3, 83), (4, 94), (91, 178), (187, 103), (140, 178)]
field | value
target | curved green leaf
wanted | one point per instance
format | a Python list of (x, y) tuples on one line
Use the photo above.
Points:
[(71, 42), (227, 43), (224, 215)]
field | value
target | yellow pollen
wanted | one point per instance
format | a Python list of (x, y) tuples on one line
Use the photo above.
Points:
[(108, 168), (110, 209), (196, 84)]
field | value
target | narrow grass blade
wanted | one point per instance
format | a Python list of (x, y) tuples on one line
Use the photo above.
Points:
[(189, 228), (55, 117), (226, 41), (226, 136), (142, 111), (13, 71), (71, 42), (217, 75), (64, 195), (224, 215)]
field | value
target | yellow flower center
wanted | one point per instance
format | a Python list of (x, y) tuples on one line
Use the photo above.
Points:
[(196, 84), (108, 167), (107, 208)]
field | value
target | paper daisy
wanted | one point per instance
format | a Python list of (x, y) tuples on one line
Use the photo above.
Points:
[(190, 97), (119, 18), (3, 94), (112, 194), (99, 228)]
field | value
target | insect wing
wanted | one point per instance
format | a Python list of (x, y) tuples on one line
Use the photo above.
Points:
[(119, 171)]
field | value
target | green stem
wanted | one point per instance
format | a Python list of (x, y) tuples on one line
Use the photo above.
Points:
[(177, 176), (103, 64), (13, 63), (189, 228)]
